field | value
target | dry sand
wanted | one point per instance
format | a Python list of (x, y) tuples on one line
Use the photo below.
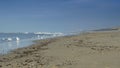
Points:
[(88, 50)]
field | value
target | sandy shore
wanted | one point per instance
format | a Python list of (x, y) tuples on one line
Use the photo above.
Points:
[(89, 50)]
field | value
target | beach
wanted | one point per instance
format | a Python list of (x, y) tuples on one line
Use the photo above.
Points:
[(87, 50)]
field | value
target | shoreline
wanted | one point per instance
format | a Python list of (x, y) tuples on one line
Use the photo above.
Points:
[(89, 50), (7, 47)]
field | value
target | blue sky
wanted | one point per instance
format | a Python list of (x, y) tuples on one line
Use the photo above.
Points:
[(58, 15)]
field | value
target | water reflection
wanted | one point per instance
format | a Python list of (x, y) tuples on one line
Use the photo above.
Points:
[(17, 43), (8, 46)]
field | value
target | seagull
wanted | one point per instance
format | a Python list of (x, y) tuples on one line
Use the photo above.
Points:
[(9, 39), (17, 38)]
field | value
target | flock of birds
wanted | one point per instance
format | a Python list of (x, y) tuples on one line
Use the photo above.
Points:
[(10, 39)]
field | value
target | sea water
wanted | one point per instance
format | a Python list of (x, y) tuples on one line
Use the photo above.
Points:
[(11, 41)]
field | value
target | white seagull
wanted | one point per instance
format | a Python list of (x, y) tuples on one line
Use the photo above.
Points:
[(17, 38)]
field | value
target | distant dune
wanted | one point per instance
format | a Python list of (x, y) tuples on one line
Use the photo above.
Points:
[(108, 29), (88, 50)]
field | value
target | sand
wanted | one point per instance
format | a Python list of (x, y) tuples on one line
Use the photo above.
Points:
[(87, 50)]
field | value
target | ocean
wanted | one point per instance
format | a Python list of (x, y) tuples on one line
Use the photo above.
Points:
[(11, 41)]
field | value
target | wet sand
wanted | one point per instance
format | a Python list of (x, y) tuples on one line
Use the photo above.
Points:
[(88, 50)]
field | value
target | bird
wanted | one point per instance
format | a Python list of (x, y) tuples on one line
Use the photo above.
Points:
[(17, 38), (9, 39)]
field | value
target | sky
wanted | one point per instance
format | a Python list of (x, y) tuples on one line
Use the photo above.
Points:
[(58, 15)]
